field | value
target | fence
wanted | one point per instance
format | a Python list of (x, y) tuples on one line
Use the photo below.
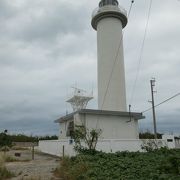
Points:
[(58, 147)]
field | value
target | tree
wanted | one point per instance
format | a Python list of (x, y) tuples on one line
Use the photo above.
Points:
[(89, 138), (5, 141)]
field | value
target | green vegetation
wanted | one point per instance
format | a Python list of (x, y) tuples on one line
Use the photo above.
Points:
[(7, 139), (149, 135), (72, 169), (159, 164), (9, 159), (88, 137), (4, 173), (25, 138), (31, 178)]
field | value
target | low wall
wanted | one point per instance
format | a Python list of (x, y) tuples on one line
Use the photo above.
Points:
[(55, 147), (25, 144), (177, 143), (108, 145)]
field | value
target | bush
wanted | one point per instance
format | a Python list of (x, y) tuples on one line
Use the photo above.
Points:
[(4, 173), (150, 145), (9, 159), (5, 140), (72, 168), (159, 164)]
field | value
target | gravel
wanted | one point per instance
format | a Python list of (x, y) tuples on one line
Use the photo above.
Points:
[(41, 168)]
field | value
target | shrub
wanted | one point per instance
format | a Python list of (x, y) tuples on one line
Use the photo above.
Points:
[(4, 173), (150, 145), (88, 137), (159, 164), (72, 169)]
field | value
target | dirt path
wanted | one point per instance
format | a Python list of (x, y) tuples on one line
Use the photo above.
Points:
[(40, 168)]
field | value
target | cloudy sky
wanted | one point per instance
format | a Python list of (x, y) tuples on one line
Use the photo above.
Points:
[(47, 46)]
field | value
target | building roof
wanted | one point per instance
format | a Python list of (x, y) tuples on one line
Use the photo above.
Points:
[(134, 115)]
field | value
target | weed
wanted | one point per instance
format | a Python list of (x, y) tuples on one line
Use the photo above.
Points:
[(70, 170), (19, 148), (4, 173), (31, 178)]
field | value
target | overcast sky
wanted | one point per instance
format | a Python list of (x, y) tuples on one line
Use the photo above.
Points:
[(46, 46)]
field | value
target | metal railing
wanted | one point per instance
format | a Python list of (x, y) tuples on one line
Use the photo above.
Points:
[(109, 8)]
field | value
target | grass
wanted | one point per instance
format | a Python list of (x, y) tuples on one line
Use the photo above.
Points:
[(4, 173), (31, 178), (7, 158), (70, 171), (19, 148)]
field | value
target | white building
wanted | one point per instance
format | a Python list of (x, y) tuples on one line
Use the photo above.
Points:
[(114, 124)]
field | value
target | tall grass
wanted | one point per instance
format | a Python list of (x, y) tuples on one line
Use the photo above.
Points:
[(71, 171), (4, 173), (31, 178)]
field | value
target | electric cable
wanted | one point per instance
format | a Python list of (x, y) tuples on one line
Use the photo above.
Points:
[(141, 53), (116, 57), (130, 8), (162, 102)]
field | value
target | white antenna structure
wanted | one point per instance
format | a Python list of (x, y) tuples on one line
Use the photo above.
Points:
[(80, 99)]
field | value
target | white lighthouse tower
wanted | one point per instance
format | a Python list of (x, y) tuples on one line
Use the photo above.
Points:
[(109, 19), (111, 116), (119, 128)]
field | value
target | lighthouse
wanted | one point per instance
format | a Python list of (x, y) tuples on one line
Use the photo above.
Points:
[(108, 20), (111, 117), (119, 128)]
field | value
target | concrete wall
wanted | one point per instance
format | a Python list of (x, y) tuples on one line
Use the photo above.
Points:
[(171, 142), (113, 127), (25, 144), (106, 145), (63, 128), (55, 147), (177, 143)]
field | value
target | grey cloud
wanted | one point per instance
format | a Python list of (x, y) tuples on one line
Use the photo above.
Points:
[(6, 9), (47, 46), (45, 23)]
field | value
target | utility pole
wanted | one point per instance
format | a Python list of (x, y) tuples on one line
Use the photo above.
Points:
[(152, 82)]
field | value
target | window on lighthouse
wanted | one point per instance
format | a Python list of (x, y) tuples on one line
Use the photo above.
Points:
[(108, 2)]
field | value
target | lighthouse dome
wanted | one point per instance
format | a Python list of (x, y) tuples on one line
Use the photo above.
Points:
[(108, 2)]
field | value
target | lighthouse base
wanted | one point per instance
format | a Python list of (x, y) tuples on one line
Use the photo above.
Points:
[(113, 124)]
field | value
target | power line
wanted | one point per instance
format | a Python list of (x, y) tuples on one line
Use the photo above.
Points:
[(130, 8), (141, 53), (162, 102)]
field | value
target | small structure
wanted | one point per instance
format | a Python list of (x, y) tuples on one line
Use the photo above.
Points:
[(171, 141), (80, 99)]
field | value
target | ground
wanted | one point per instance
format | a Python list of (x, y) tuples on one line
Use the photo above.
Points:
[(41, 168)]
